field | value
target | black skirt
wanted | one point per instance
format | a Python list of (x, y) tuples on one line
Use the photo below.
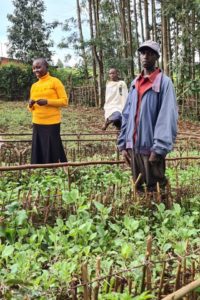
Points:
[(47, 145)]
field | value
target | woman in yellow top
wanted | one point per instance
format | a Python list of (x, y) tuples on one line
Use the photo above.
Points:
[(47, 96)]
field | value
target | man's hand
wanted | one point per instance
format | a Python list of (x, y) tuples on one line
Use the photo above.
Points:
[(41, 102), (31, 103), (126, 157), (154, 157)]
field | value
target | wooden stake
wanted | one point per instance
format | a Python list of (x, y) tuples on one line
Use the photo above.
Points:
[(47, 207), (74, 289), (97, 285), (84, 276), (178, 275), (147, 268), (148, 257), (161, 281), (158, 193), (117, 283), (130, 283), (122, 285), (69, 179), (108, 281)]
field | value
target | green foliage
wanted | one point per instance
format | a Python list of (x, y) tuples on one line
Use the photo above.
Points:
[(15, 81), (109, 40), (125, 296), (29, 35), (42, 258), (69, 76)]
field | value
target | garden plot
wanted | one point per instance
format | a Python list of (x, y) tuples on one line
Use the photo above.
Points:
[(84, 232), (58, 225)]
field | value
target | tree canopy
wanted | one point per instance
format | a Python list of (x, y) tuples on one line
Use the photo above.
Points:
[(29, 34)]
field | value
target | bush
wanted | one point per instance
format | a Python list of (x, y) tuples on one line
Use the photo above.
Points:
[(70, 76), (15, 81)]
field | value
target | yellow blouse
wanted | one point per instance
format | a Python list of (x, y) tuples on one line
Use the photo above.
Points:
[(51, 89)]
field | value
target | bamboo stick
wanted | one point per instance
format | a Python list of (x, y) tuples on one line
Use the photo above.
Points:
[(148, 256), (178, 275), (161, 281), (108, 280), (183, 291), (84, 275), (97, 285), (130, 284), (74, 289), (158, 193)]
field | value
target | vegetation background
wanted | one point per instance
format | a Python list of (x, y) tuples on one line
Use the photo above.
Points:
[(54, 221), (107, 33)]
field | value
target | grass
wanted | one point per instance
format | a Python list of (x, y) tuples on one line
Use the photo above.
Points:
[(15, 118)]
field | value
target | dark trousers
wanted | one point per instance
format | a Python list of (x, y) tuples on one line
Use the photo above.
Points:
[(115, 119), (151, 172)]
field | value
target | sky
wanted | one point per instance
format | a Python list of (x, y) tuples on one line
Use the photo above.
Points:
[(59, 10)]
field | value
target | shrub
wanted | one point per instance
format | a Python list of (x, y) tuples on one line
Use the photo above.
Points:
[(15, 81)]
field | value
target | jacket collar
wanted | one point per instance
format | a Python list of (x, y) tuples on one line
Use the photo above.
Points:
[(156, 83)]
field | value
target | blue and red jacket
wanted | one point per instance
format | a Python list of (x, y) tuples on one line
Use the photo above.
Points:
[(157, 125)]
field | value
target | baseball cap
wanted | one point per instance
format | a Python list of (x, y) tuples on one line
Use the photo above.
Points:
[(150, 44)]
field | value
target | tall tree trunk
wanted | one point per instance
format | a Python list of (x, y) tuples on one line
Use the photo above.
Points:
[(169, 48), (94, 68), (99, 54), (146, 18), (153, 16), (189, 28), (176, 42), (83, 54), (136, 31), (192, 44), (141, 20), (185, 43), (117, 34), (164, 39), (123, 26), (130, 45)]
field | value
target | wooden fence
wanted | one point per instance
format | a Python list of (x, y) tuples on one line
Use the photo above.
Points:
[(175, 273), (83, 95), (189, 106), (51, 204), (16, 148)]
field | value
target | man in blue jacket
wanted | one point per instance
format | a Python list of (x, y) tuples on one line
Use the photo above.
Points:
[(149, 121)]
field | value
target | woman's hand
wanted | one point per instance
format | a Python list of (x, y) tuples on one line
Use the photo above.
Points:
[(41, 102), (31, 103)]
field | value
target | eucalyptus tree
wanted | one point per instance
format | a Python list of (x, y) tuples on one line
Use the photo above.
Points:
[(180, 27), (81, 39), (29, 34), (74, 37)]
